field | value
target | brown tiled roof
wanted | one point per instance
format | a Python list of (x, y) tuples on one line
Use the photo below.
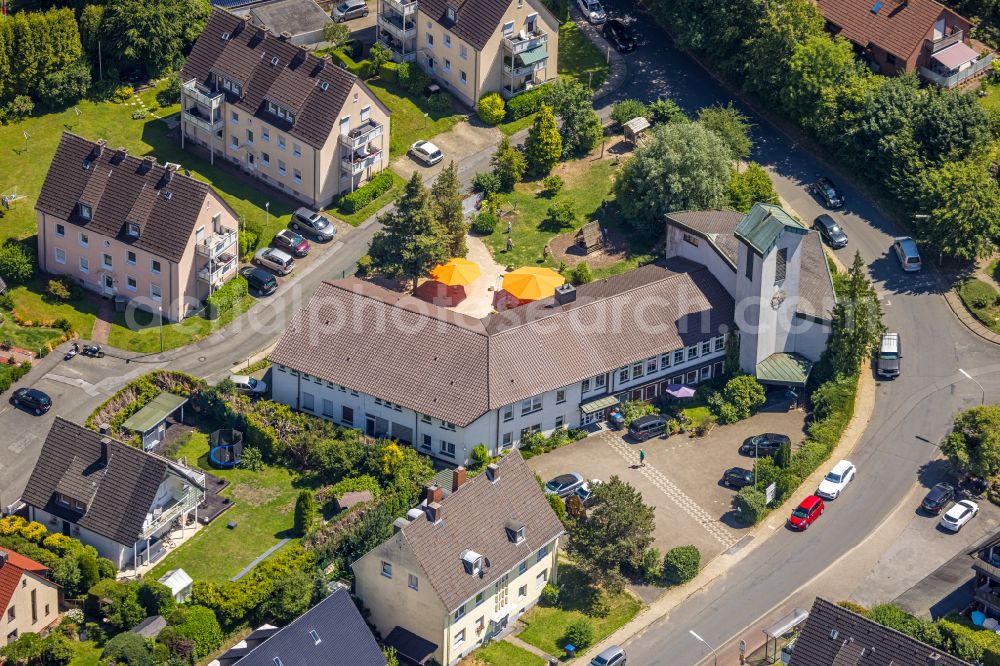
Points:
[(121, 188), (13, 568), (295, 82), (899, 26), (475, 20), (457, 368)]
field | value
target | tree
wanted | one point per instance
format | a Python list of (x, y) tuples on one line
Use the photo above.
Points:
[(26, 649), (818, 65), (625, 110), (411, 241), (771, 41), (66, 573), (151, 35), (681, 564), (287, 601), (665, 110), (581, 128), (558, 506), (128, 648), (156, 598), (508, 165), (559, 216), (615, 533), (973, 445), (337, 34), (305, 512), (86, 562), (57, 649), (581, 274), (379, 55), (857, 321), (90, 27), (543, 147), (199, 625), (750, 186), (16, 263), (579, 634), (731, 361), (491, 109), (680, 167), (731, 125), (446, 201), (964, 203), (952, 126), (745, 394)]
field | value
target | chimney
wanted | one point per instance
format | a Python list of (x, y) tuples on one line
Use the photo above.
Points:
[(565, 293), (399, 524), (457, 478), (492, 471), (104, 428), (933, 659), (101, 143), (434, 511), (104, 447), (148, 163), (434, 494), (285, 36), (121, 153), (3, 558)]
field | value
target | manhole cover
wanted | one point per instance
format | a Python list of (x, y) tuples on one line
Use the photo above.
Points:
[(202, 359)]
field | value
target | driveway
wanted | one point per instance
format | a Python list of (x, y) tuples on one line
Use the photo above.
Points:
[(461, 142)]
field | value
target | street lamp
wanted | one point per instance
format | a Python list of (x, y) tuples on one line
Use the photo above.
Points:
[(968, 376), (267, 213), (715, 655), (160, 308)]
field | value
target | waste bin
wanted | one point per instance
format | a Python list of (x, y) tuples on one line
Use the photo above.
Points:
[(570, 651)]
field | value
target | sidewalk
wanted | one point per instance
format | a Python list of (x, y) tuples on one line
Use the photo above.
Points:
[(517, 642), (618, 76)]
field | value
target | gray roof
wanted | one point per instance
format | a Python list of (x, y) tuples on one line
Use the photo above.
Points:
[(816, 294), (119, 188), (118, 488), (716, 226), (150, 627), (761, 227), (457, 368), (475, 20), (292, 16), (859, 642)]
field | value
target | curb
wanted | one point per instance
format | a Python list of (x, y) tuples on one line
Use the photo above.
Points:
[(618, 74), (968, 319)]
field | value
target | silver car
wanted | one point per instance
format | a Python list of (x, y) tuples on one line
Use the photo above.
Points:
[(318, 225), (613, 656), (247, 384), (907, 253), (593, 10), (349, 9), (277, 260)]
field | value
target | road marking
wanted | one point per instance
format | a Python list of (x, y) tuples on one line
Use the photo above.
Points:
[(85, 386)]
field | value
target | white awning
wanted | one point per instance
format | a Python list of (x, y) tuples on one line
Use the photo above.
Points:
[(955, 55)]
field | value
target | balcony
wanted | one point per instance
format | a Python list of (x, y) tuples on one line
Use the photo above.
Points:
[(358, 161), (525, 70), (199, 119), (216, 244), (935, 45), (202, 95), (959, 77), (525, 41), (507, 92), (402, 8), (361, 136), (217, 275), (395, 26), (164, 514)]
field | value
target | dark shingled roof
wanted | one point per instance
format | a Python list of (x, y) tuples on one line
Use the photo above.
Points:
[(475, 20), (899, 26), (120, 188), (859, 642), (457, 368), (295, 82), (120, 487)]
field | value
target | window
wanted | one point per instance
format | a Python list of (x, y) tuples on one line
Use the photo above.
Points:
[(522, 592), (428, 442), (522, 567), (706, 347), (131, 283), (508, 29), (460, 613), (266, 159), (507, 439), (637, 371), (296, 175), (665, 360), (84, 265), (308, 401), (531, 405), (386, 569), (542, 552), (542, 578), (281, 142), (749, 271), (623, 375), (234, 142), (154, 292), (692, 352), (155, 267), (460, 638), (530, 429), (366, 113), (249, 136), (10, 614), (447, 38), (693, 240), (890, 59), (463, 52), (235, 117), (132, 229), (446, 449), (692, 377), (84, 240), (347, 415), (560, 396), (780, 265), (60, 230), (720, 343), (281, 167), (584, 386), (412, 582), (107, 261), (600, 381), (430, 40), (447, 65), (650, 365), (679, 356), (327, 408), (560, 422), (296, 150), (46, 610), (508, 413), (424, 418), (265, 134), (85, 212), (60, 256), (448, 425), (130, 258), (34, 601)]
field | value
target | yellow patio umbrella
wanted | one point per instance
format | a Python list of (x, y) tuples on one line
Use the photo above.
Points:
[(456, 272), (531, 283)]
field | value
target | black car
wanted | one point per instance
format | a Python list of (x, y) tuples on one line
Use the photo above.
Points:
[(647, 427), (32, 400), (737, 477), (619, 35), (830, 231), (260, 281), (827, 192), (766, 444), (938, 498)]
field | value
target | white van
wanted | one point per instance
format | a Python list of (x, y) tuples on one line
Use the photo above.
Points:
[(887, 361)]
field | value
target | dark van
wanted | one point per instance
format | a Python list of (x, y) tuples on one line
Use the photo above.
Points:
[(261, 282), (646, 427)]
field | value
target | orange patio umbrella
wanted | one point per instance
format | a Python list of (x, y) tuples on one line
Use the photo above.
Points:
[(456, 272), (531, 283)]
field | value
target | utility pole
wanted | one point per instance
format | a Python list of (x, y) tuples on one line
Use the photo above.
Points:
[(100, 66)]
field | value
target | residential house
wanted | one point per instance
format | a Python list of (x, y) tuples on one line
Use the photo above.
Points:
[(295, 121), (460, 569), (29, 601), (445, 382), (896, 36), (474, 47), (117, 498), (834, 636), (127, 227), (331, 632), (986, 564)]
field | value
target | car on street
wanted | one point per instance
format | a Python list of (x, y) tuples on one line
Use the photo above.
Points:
[(766, 444), (619, 35), (277, 260), (888, 357), (313, 223), (31, 399), (937, 498), (426, 152), (586, 491), (349, 9), (647, 427), (958, 515), (830, 231), (824, 190), (291, 242), (593, 10), (836, 480), (806, 513), (564, 485), (248, 385), (613, 656), (737, 477), (907, 253), (259, 281)]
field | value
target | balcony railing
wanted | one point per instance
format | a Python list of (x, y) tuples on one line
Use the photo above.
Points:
[(217, 274), (202, 95), (935, 45), (525, 70), (517, 44), (953, 80), (194, 117), (173, 509), (216, 244), (404, 8), (507, 93), (355, 164), (361, 136), (395, 26)]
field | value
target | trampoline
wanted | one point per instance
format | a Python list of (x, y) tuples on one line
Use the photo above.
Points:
[(226, 448)]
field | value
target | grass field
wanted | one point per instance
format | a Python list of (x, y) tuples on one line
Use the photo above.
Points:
[(407, 123), (578, 57), (502, 653), (85, 654), (982, 300), (146, 336)]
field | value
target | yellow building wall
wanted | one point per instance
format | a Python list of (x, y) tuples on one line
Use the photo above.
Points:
[(46, 595)]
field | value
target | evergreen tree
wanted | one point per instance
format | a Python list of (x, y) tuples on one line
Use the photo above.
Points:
[(305, 512), (508, 165), (543, 147), (857, 321), (581, 128), (446, 198)]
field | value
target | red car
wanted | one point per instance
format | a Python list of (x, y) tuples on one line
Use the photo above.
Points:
[(806, 513), (291, 242)]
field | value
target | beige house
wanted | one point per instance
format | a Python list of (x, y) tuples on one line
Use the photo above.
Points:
[(299, 123), (29, 600), (125, 226), (474, 47), (463, 566)]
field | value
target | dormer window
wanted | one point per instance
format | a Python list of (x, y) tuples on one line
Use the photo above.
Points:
[(280, 111), (473, 562), (133, 229), (232, 86), (515, 531), (451, 13), (69, 502), (85, 212)]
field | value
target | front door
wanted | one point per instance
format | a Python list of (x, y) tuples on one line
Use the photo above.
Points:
[(370, 426), (251, 162), (109, 285), (65, 528)]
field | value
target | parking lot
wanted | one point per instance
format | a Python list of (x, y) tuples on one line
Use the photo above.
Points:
[(681, 477)]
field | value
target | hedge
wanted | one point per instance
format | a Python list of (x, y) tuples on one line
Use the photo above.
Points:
[(389, 71), (367, 193), (526, 103), (135, 395), (681, 564), (226, 297)]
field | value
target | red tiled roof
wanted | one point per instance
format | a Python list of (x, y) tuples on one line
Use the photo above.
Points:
[(11, 572), (898, 26)]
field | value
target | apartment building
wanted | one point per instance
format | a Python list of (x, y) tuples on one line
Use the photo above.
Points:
[(29, 601), (127, 227), (474, 47), (295, 121), (460, 569)]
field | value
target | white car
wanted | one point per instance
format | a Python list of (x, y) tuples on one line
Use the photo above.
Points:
[(959, 514), (593, 10), (277, 260), (247, 384), (836, 480), (426, 152)]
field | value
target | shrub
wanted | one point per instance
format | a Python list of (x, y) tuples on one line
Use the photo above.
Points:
[(226, 296), (413, 79), (171, 93), (581, 274), (739, 399), (783, 458), (122, 94), (681, 564), (484, 224), (550, 595), (16, 263), (650, 565), (665, 111), (58, 650), (63, 324), (633, 409), (552, 184), (486, 182), (156, 598), (198, 625), (558, 506), (128, 648), (17, 109), (248, 242), (252, 460), (86, 562), (854, 608), (625, 110), (389, 72), (106, 568), (58, 288), (751, 505), (599, 604), (439, 103), (365, 262), (139, 114), (559, 216), (491, 109), (305, 512), (579, 634), (367, 193), (526, 103)]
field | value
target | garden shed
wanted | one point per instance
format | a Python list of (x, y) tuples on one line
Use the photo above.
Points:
[(179, 583), (151, 421), (635, 128), (590, 238)]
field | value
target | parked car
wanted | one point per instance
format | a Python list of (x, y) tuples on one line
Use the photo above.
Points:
[(260, 281), (426, 152), (827, 192), (887, 360), (314, 223), (806, 513), (586, 491), (619, 35), (291, 242), (830, 231), (247, 384), (766, 444), (907, 253), (958, 515), (32, 400), (647, 427), (737, 477), (836, 480), (593, 10), (277, 260), (613, 656), (349, 9), (938, 498), (564, 485)]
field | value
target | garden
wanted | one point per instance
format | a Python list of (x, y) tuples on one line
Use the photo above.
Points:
[(980, 295)]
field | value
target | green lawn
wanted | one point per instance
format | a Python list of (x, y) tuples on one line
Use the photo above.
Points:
[(146, 338), (86, 654), (578, 57), (547, 625), (502, 653), (32, 303), (354, 219), (992, 98), (696, 414), (25, 337), (982, 300), (263, 504), (407, 123)]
